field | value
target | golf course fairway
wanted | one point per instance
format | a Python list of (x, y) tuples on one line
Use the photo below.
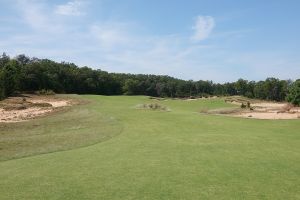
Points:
[(128, 153)]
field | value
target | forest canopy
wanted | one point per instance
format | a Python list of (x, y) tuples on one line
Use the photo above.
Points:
[(25, 74)]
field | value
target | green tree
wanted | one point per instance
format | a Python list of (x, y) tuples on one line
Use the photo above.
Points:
[(10, 77), (241, 87), (293, 95), (130, 87), (2, 91), (3, 60)]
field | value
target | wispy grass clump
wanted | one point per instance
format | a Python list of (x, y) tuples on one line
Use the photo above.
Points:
[(45, 92), (222, 111), (153, 106)]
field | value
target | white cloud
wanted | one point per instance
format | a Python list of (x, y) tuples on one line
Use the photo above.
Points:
[(39, 16), (110, 34), (32, 13), (119, 47), (71, 8), (203, 27)]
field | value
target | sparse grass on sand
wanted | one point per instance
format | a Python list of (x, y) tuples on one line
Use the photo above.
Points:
[(179, 154)]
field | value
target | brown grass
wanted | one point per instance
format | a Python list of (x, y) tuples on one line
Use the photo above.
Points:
[(153, 106)]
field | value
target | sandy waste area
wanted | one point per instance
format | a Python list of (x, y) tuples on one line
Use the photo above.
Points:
[(270, 110), (17, 109)]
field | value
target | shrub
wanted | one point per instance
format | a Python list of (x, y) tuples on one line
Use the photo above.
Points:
[(248, 105), (243, 105)]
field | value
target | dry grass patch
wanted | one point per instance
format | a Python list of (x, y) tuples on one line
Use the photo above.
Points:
[(153, 106), (222, 111)]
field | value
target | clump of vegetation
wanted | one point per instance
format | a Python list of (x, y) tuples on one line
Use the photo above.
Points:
[(243, 106), (224, 111), (204, 110), (248, 104), (153, 106), (45, 92)]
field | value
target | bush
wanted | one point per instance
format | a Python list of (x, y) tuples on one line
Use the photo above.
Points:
[(248, 105), (243, 105)]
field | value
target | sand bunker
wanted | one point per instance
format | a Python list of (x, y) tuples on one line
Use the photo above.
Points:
[(269, 110), (17, 109), (272, 115), (55, 103)]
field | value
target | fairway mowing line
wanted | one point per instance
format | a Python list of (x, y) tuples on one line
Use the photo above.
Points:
[(65, 150), (116, 129)]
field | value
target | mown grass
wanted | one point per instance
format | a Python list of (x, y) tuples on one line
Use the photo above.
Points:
[(179, 154), (74, 127)]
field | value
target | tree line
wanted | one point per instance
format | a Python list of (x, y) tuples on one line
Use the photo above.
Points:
[(25, 74)]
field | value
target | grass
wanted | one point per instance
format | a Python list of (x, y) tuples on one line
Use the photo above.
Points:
[(78, 127), (179, 154)]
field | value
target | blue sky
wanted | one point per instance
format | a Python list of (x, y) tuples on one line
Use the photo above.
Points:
[(219, 40)]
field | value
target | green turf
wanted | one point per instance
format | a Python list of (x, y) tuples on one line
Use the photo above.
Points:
[(179, 154), (72, 128)]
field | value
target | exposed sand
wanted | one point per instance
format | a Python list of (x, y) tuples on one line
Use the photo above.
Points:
[(190, 99), (269, 115), (199, 98), (270, 104), (30, 108), (22, 115), (54, 103), (270, 110)]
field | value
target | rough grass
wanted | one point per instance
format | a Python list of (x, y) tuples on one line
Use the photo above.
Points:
[(78, 127), (223, 111), (160, 155)]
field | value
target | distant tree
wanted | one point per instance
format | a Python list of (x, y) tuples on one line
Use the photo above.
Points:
[(2, 88), (22, 59), (130, 87), (229, 89), (260, 91), (3, 60), (241, 86), (10, 77), (204, 87), (293, 95), (31, 74)]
